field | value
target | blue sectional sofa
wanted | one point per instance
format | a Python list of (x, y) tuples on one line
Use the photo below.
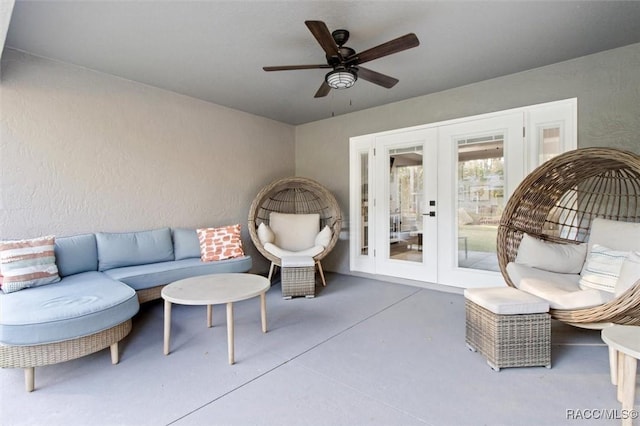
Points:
[(104, 277)]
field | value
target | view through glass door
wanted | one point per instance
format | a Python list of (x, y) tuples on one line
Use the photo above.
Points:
[(405, 203), (406, 236)]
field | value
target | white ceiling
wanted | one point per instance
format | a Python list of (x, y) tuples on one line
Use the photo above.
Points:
[(215, 50)]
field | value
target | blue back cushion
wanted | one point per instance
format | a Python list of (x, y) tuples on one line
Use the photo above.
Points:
[(133, 248), (76, 254), (185, 243)]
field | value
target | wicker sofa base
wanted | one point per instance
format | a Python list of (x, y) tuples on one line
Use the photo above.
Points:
[(29, 357), (298, 281), (148, 294), (509, 340)]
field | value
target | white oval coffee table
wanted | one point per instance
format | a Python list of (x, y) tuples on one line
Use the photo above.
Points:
[(212, 290), (624, 351)]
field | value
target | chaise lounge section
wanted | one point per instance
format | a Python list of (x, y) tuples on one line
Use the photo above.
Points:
[(103, 278)]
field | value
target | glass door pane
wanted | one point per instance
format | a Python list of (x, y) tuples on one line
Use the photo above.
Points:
[(480, 200), (405, 203)]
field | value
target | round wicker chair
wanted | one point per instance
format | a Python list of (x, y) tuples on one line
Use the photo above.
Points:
[(558, 201), (297, 195)]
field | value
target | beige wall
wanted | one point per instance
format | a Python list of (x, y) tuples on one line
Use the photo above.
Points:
[(607, 86), (82, 151)]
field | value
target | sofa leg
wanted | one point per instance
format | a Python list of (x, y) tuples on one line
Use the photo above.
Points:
[(324, 283), (115, 356), (30, 378)]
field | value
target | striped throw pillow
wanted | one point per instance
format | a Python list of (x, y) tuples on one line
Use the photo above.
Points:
[(220, 243), (27, 263), (602, 268), (629, 273)]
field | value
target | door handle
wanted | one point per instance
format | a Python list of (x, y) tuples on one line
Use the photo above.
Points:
[(432, 214)]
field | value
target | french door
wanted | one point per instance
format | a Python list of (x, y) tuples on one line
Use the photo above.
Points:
[(483, 162), (426, 201), (405, 233)]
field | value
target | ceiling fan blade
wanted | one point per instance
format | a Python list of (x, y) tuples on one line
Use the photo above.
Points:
[(295, 67), (396, 45), (323, 90), (323, 35), (377, 78)]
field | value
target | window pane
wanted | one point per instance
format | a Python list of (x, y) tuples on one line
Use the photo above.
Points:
[(364, 203), (549, 142), (480, 200), (405, 201)]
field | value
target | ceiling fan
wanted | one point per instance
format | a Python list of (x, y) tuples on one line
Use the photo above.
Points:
[(345, 62)]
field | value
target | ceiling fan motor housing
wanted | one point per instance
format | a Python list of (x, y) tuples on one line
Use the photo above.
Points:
[(340, 36)]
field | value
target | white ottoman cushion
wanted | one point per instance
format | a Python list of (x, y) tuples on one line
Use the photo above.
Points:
[(297, 261), (506, 300)]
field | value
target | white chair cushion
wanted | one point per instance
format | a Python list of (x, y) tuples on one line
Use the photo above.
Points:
[(554, 257), (296, 261), (280, 253), (518, 272), (617, 235), (294, 232), (560, 290), (324, 237), (265, 234)]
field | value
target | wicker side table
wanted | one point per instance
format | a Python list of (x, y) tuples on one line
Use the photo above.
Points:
[(298, 276), (509, 327)]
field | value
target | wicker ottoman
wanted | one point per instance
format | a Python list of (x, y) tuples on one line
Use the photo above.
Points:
[(298, 276), (509, 327)]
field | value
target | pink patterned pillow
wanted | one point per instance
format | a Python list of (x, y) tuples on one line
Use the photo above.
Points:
[(220, 243), (27, 263)]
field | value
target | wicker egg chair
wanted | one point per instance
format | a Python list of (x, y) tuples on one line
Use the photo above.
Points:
[(558, 201), (297, 195)]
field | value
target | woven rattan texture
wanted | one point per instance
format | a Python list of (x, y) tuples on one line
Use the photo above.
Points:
[(298, 281), (53, 353), (296, 195), (148, 294), (559, 200), (509, 340)]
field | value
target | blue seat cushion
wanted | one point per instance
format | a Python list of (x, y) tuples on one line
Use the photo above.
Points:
[(141, 277), (76, 306)]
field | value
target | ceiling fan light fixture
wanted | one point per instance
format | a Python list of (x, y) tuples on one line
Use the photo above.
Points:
[(341, 78)]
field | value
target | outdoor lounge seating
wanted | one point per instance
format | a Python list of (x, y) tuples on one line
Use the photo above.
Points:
[(102, 279), (294, 216), (589, 195)]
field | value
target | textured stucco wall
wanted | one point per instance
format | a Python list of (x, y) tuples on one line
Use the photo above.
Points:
[(82, 151), (607, 86)]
